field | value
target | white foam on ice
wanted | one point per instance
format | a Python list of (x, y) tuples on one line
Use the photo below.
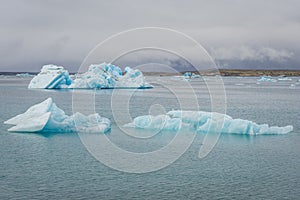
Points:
[(202, 122), (47, 117)]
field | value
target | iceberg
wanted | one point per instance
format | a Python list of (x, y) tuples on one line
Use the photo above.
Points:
[(99, 76), (47, 117), (201, 122), (284, 79), (195, 75), (106, 75), (190, 75), (266, 79), (51, 77), (24, 75), (187, 74)]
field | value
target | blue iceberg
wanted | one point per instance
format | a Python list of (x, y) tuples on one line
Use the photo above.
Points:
[(190, 75), (51, 77), (267, 79), (201, 122), (100, 76), (106, 75), (47, 117), (187, 74)]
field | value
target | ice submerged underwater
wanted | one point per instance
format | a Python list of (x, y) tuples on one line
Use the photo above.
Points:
[(47, 117), (99, 76)]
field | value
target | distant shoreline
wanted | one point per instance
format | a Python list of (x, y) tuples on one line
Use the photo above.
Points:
[(222, 72), (233, 72)]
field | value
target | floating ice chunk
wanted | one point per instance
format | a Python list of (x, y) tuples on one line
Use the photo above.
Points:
[(47, 117), (266, 79), (202, 122), (274, 130), (51, 77), (190, 75), (106, 75), (196, 76), (284, 79), (99, 76), (24, 75), (187, 74)]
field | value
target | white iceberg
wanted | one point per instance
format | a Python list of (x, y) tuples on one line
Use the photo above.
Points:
[(106, 75), (24, 75), (285, 79), (51, 77), (100, 76), (195, 75), (267, 79), (133, 78), (200, 122), (47, 117)]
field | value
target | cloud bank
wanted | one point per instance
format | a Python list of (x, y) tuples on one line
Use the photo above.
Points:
[(33, 33), (242, 53)]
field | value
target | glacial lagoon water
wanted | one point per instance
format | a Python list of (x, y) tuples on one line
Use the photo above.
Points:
[(58, 166)]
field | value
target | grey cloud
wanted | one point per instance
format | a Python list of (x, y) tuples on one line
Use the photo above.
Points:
[(35, 32), (242, 53)]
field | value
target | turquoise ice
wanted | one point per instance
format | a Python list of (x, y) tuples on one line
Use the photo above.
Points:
[(51, 77), (98, 76), (202, 122), (47, 117)]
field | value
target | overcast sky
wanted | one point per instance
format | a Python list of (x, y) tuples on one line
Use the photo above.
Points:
[(238, 34)]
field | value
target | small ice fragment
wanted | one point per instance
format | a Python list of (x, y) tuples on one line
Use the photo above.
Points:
[(266, 79)]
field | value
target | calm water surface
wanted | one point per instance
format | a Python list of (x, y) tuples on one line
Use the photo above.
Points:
[(58, 166)]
